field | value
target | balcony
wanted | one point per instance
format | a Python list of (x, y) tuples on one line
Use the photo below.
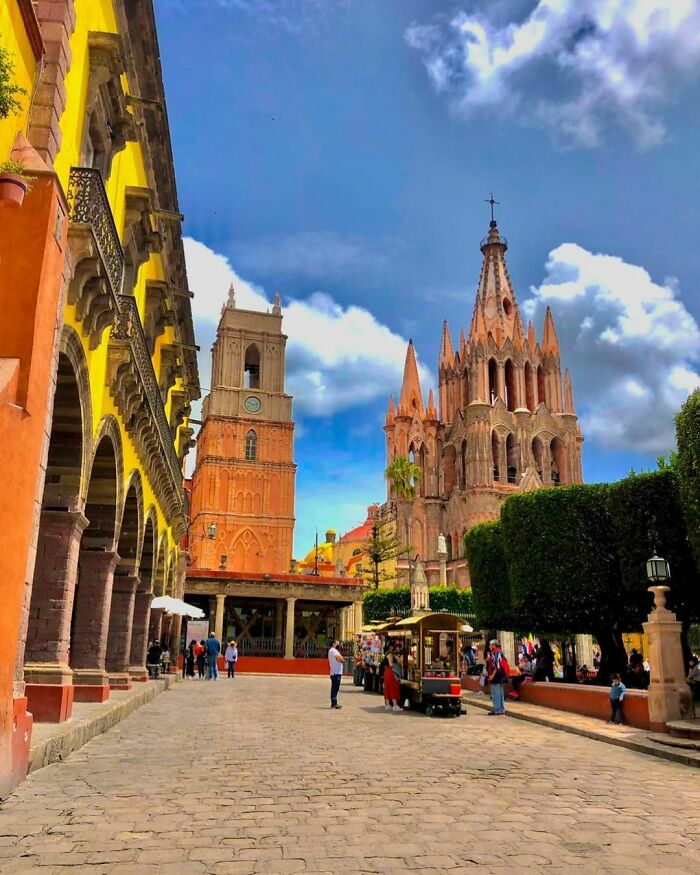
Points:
[(89, 207)]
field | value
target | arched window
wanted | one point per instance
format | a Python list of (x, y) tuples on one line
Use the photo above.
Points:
[(512, 459), (448, 542), (541, 392), (495, 451), (465, 387), (251, 446), (463, 473), (529, 388), (448, 467), (511, 400), (537, 453), (558, 464), (251, 370), (493, 380)]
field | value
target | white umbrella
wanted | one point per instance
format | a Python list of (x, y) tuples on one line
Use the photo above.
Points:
[(177, 606)]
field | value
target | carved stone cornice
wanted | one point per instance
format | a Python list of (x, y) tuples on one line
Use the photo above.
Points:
[(140, 238)]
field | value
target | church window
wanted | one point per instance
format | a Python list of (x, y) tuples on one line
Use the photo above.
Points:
[(448, 465), (511, 399), (512, 459), (448, 542), (251, 372), (537, 454), (251, 446), (507, 306), (463, 471), (357, 551), (541, 392), (495, 453), (529, 388), (493, 380), (558, 464)]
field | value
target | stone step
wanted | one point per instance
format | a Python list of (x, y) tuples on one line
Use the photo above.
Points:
[(684, 728)]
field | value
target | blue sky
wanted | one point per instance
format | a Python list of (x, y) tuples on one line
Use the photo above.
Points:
[(340, 151)]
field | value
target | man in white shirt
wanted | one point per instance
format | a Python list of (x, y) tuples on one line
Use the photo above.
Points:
[(335, 664)]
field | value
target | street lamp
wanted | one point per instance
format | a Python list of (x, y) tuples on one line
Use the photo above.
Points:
[(658, 569), (211, 531)]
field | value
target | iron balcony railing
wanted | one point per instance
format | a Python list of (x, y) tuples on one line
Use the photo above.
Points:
[(87, 200), (260, 646), (128, 326)]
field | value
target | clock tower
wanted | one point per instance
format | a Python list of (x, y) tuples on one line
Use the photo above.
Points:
[(243, 481)]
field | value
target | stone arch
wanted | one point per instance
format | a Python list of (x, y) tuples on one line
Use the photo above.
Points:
[(541, 386), (252, 367), (510, 380), (538, 454), (104, 493), (417, 537), (558, 468), (493, 380), (131, 525), (142, 600), (448, 543), (161, 569), (251, 446), (149, 550), (246, 551), (512, 458), (529, 388), (448, 467)]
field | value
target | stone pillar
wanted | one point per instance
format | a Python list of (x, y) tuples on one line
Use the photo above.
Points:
[(212, 613), (507, 641), (289, 630), (279, 610), (91, 625), (121, 620), (584, 651), (669, 695), (174, 643), (219, 621), (155, 624), (139, 636), (165, 626), (443, 567), (47, 674)]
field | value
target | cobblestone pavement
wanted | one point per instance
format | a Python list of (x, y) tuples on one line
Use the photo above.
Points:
[(259, 775)]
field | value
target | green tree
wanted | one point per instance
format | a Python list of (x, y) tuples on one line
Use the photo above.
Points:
[(647, 517), (382, 603), (687, 464), (564, 568), (488, 571), (382, 547), (9, 92), (403, 476)]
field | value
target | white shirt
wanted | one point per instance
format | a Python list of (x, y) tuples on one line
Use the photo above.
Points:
[(335, 666)]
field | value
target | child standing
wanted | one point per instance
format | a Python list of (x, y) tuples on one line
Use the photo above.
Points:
[(617, 695)]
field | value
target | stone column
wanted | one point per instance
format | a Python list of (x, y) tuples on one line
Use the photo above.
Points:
[(289, 630), (121, 620), (507, 641), (174, 643), (219, 620), (443, 567), (165, 626), (155, 624), (584, 651), (212, 613), (91, 625), (139, 636), (46, 671), (279, 610), (669, 695)]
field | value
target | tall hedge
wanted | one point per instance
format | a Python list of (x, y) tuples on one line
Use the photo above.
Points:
[(647, 516), (563, 565), (687, 464), (385, 602), (491, 590)]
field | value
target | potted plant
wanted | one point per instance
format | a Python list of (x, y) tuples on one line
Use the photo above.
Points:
[(14, 183)]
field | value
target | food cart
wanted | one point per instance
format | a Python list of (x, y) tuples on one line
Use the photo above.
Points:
[(429, 658)]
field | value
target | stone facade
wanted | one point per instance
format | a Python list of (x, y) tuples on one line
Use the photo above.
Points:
[(506, 422), (244, 478)]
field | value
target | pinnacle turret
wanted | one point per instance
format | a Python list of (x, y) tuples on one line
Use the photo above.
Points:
[(411, 398), (447, 355), (550, 342)]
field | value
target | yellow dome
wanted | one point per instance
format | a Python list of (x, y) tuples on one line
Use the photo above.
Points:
[(325, 554)]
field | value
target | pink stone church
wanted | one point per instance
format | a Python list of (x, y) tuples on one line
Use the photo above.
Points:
[(506, 422)]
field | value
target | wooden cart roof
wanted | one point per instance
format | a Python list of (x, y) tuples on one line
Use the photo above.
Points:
[(408, 622)]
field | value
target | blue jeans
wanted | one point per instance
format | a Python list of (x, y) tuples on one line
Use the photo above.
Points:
[(497, 699), (213, 668), (335, 686)]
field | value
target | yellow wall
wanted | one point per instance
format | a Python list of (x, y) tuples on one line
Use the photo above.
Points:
[(13, 37)]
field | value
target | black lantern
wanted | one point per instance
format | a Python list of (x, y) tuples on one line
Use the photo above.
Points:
[(658, 569), (211, 530)]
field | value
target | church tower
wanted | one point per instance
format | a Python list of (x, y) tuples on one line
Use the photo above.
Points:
[(506, 420), (243, 481)]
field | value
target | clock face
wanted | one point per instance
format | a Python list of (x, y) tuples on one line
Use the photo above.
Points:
[(252, 404)]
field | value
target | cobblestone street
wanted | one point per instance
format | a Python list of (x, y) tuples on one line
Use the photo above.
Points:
[(259, 775)]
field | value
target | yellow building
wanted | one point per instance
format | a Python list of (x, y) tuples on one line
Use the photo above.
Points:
[(96, 347)]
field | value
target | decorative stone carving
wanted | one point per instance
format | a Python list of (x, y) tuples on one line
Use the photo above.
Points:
[(140, 238)]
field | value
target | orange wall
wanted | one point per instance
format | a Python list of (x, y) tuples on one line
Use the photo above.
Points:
[(31, 264)]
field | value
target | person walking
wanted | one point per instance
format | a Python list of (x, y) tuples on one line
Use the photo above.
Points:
[(617, 696), (231, 657), (499, 672), (392, 690), (200, 654), (335, 664), (213, 648), (544, 669), (153, 659), (190, 659)]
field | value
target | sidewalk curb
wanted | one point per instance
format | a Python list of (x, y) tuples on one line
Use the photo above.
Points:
[(77, 733), (640, 745)]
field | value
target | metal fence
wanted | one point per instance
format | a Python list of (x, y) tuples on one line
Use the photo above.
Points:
[(261, 647)]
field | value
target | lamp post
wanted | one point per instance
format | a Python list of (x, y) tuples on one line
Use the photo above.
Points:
[(658, 570)]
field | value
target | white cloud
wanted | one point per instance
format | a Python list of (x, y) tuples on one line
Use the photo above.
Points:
[(317, 255), (631, 345), (575, 66), (338, 358)]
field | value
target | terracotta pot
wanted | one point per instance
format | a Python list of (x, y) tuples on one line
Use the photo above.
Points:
[(12, 189)]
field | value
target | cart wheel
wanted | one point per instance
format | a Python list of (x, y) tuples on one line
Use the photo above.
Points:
[(429, 711)]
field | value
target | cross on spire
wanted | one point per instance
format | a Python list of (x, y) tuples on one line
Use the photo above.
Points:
[(493, 202)]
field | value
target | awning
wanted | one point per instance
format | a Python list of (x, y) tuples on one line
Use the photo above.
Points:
[(177, 606)]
